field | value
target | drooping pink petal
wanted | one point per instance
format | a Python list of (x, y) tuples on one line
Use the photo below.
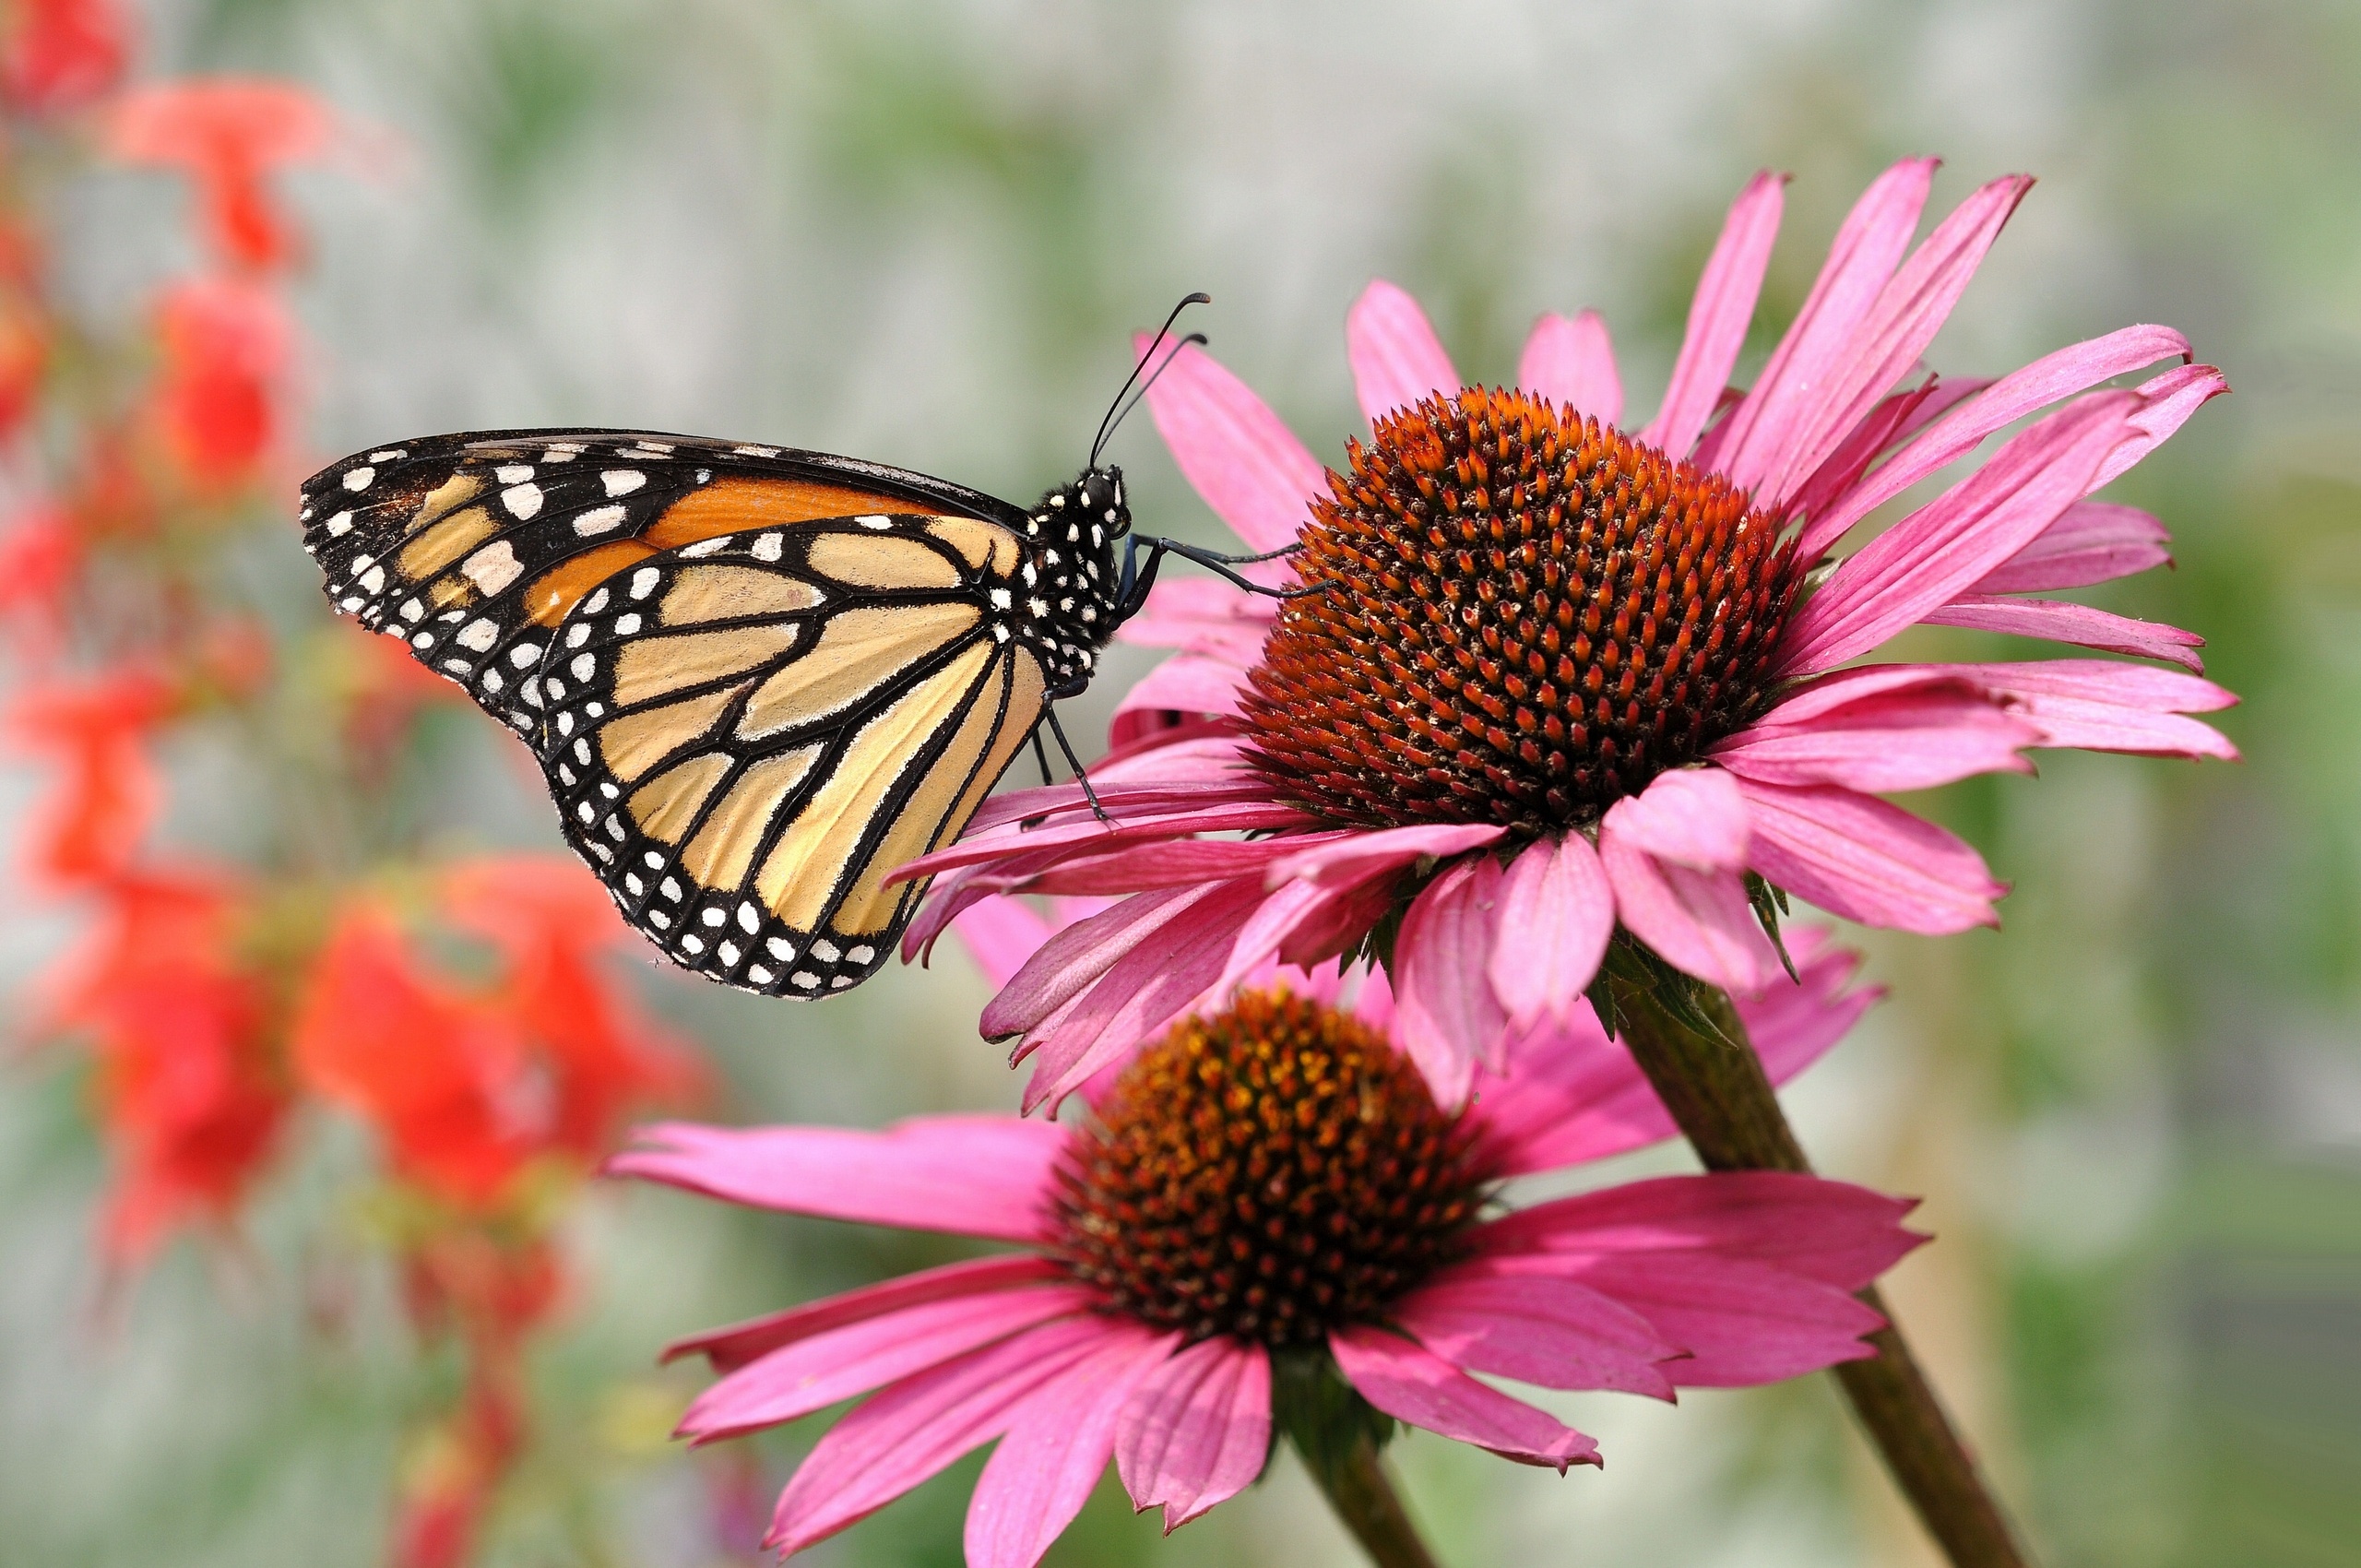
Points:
[(1762, 444), (1197, 1430), (1572, 1096), (1910, 309), (1396, 358), (2062, 621), (1913, 740), (2054, 376), (727, 1350), (1689, 817), (1831, 1231), (2102, 706), (968, 1175), (1306, 923), (901, 1435), (1144, 989), (1233, 450), (2166, 402), (1445, 1017), (1179, 863), (1414, 1385), (2092, 541), (1698, 922), (1856, 856), (1355, 857), (1572, 363), (1073, 960), (1934, 553), (1176, 807), (1742, 1323), (814, 1373), (1558, 912), (1185, 685), (1542, 1332), (999, 935), (1719, 315), (1057, 1446)]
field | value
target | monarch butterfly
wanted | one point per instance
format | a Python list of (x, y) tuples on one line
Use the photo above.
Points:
[(757, 680)]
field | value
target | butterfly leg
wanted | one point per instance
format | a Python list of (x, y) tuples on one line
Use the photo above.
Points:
[(1136, 584), (1042, 758), (1049, 715)]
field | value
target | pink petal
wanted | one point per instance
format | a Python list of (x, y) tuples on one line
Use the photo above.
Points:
[(1396, 358), (1445, 1017), (1897, 420), (1141, 992), (1182, 687), (1762, 444), (1572, 363), (1933, 555), (1197, 1430), (1913, 740), (968, 1175), (1572, 1096), (815, 1372), (1233, 450), (1073, 960), (1543, 1332), (2099, 704), (2061, 621), (1413, 1384), (1695, 921), (1355, 857), (900, 1436), (999, 935), (1742, 1324), (1856, 856), (1831, 1231), (2046, 381), (1137, 868), (1202, 616), (1691, 817), (1719, 315), (2092, 541), (1305, 923), (1910, 309), (1558, 912), (1042, 1473), (2168, 401), (727, 1350)]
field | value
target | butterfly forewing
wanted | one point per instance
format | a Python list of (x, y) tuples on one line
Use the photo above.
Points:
[(758, 679)]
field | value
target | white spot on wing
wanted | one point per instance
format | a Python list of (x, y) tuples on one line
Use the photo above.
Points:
[(622, 481), (493, 567), (643, 581), (479, 635), (359, 479), (513, 473), (768, 547), (598, 520)]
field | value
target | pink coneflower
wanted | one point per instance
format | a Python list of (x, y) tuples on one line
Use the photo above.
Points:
[(1269, 1194), (1562, 676)]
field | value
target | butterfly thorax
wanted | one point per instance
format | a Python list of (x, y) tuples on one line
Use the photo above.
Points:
[(1071, 587)]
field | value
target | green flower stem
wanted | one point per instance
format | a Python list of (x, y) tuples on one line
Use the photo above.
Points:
[(1691, 1044), (1358, 1488), (1342, 1440)]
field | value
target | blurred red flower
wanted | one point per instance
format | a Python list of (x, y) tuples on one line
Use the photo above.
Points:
[(97, 728), (41, 559), (59, 54), (468, 1087), (189, 1094), (228, 347), (228, 133)]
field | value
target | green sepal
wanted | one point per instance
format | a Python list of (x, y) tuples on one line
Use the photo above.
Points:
[(1769, 903), (1322, 1414), (1632, 965)]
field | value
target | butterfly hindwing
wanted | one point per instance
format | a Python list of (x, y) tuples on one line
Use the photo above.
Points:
[(744, 734)]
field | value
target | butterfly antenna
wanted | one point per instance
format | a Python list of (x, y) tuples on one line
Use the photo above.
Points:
[(1115, 411), (1141, 396)]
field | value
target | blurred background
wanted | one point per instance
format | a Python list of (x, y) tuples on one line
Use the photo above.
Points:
[(295, 1326)]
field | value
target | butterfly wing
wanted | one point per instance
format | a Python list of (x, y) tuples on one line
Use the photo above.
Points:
[(471, 547), (757, 680)]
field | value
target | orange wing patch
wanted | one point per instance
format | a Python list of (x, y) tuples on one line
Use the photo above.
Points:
[(733, 505)]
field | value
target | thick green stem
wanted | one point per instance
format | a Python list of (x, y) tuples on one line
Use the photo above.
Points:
[(1358, 1488), (1692, 1045), (1342, 1440)]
